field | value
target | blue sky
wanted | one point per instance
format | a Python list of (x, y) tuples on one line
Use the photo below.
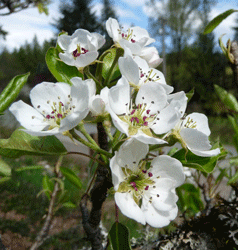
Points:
[(22, 26)]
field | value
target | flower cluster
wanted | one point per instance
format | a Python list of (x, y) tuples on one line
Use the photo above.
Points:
[(140, 105)]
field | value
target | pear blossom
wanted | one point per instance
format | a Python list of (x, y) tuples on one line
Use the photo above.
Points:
[(80, 49), (137, 72), (151, 55), (134, 39), (146, 195), (149, 112), (57, 107), (193, 132)]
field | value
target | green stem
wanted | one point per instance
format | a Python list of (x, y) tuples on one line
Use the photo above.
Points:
[(156, 146), (91, 76), (92, 146)]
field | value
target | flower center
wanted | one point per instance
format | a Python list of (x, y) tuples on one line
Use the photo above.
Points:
[(139, 117), (136, 182), (59, 111), (128, 35), (148, 76), (190, 123), (80, 50)]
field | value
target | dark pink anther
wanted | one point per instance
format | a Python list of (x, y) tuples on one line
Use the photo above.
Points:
[(144, 118), (150, 174), (122, 35), (136, 189), (145, 123), (52, 117), (133, 111), (62, 104), (132, 119), (133, 184), (52, 112), (133, 41), (84, 50), (48, 116), (141, 75), (144, 171), (147, 187), (59, 116), (137, 119), (147, 111), (75, 53)]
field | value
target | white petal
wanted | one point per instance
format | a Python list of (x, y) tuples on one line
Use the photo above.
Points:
[(119, 97), (112, 28), (179, 97), (24, 113), (48, 91), (201, 122), (153, 95), (140, 136), (195, 139), (97, 105), (168, 167), (208, 153), (100, 39), (67, 58), (118, 123), (79, 94), (135, 48), (129, 69), (128, 207), (72, 120), (131, 152), (53, 131), (157, 218), (168, 118), (63, 41), (117, 174), (151, 55), (85, 59)]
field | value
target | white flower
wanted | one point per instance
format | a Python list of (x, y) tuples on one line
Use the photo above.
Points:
[(57, 107), (80, 49), (193, 132), (146, 195), (137, 72), (150, 111), (151, 55), (135, 38)]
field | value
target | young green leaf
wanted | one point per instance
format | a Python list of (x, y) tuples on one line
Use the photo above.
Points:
[(5, 170), (61, 71), (11, 91), (190, 94), (228, 99), (217, 20), (119, 237), (71, 176), (21, 143)]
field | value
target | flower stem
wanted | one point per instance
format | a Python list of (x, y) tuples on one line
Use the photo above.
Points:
[(90, 76)]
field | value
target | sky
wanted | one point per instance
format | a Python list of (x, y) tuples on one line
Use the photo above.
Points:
[(24, 25)]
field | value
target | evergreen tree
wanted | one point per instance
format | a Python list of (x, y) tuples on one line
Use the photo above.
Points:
[(77, 14)]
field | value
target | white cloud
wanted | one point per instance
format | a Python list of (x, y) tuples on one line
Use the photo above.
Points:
[(24, 25), (97, 8), (135, 2), (125, 13)]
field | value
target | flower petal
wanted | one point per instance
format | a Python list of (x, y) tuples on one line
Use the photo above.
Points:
[(194, 139), (208, 153), (140, 136), (117, 174), (129, 69), (129, 208), (63, 41), (168, 167), (131, 152), (24, 114), (153, 95), (112, 27), (85, 59), (119, 97)]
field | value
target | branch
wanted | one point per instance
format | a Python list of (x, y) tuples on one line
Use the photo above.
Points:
[(42, 235)]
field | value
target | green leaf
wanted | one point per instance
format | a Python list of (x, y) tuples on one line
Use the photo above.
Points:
[(5, 169), (4, 179), (61, 71), (190, 94), (204, 164), (21, 143), (233, 179), (48, 186), (189, 198), (29, 168), (69, 204), (71, 176), (217, 20), (11, 91), (228, 99), (110, 69), (119, 237)]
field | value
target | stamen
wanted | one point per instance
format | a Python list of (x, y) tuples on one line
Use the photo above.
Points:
[(150, 174)]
